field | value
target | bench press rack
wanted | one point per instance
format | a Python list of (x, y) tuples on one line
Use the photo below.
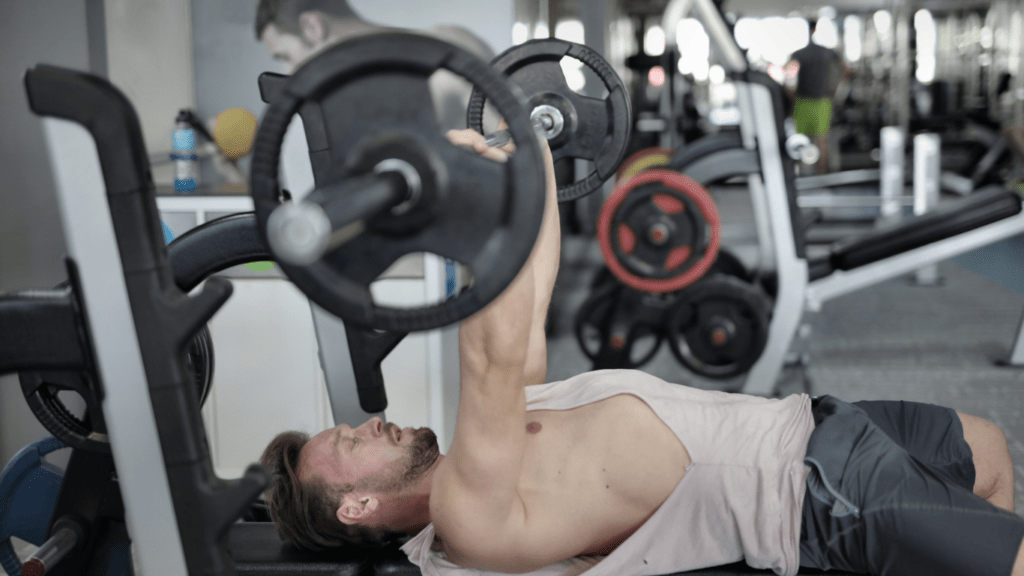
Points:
[(135, 319)]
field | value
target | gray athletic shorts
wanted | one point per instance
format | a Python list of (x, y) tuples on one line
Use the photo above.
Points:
[(890, 492)]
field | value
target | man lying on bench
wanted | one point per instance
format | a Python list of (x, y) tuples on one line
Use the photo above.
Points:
[(620, 473)]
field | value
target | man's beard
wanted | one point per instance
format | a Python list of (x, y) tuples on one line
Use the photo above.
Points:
[(422, 454)]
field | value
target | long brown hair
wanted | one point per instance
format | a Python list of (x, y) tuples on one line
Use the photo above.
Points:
[(305, 512)]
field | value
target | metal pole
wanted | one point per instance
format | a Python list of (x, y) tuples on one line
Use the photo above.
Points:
[(891, 173), (1017, 55), (926, 192), (901, 73), (1017, 352)]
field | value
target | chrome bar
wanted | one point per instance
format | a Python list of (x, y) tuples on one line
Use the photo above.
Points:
[(892, 171), (791, 269), (926, 192)]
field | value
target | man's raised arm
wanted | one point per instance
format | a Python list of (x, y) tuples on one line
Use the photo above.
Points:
[(507, 313), (501, 350), (544, 260)]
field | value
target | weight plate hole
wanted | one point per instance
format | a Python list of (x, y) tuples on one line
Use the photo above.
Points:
[(668, 204), (677, 257), (627, 238), (389, 289), (581, 79)]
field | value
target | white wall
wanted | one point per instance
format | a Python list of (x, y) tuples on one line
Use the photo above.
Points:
[(228, 61), (150, 60), (31, 240), (490, 20), (149, 57)]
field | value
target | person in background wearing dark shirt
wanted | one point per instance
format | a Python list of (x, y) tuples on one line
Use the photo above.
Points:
[(819, 70)]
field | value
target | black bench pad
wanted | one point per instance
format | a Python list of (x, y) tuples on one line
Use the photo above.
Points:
[(258, 551), (949, 219)]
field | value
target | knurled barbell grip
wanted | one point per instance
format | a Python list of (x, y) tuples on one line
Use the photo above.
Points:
[(301, 232)]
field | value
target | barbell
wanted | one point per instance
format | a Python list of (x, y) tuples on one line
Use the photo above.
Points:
[(398, 186)]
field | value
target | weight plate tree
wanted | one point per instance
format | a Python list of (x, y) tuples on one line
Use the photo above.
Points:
[(386, 141), (659, 232), (576, 126), (719, 326)]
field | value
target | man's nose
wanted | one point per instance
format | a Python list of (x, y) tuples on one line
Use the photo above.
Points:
[(375, 425)]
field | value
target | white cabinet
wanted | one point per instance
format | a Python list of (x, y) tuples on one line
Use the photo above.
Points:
[(267, 375)]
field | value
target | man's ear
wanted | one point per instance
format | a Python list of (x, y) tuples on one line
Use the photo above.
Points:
[(313, 27), (357, 508)]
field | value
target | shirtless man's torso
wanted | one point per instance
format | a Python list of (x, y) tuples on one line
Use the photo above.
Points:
[(591, 476)]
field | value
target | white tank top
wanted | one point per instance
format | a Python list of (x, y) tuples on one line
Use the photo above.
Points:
[(740, 499)]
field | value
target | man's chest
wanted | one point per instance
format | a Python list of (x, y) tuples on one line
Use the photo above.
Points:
[(591, 476), (598, 471)]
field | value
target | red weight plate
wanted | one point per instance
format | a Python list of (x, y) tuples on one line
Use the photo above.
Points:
[(684, 185), (677, 256), (668, 204), (627, 238)]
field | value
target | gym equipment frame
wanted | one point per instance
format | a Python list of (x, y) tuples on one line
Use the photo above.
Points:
[(956, 228), (135, 323)]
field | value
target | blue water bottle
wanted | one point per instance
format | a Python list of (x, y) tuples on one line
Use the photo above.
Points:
[(184, 156)]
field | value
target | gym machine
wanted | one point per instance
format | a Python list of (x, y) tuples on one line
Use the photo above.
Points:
[(592, 129), (132, 321), (797, 282), (125, 322)]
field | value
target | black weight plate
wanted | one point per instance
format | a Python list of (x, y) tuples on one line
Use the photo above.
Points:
[(199, 358), (729, 264), (593, 315), (594, 129), (374, 95), (46, 394), (718, 327), (615, 324)]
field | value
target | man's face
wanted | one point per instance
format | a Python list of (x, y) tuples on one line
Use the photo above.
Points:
[(375, 457), (290, 49)]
